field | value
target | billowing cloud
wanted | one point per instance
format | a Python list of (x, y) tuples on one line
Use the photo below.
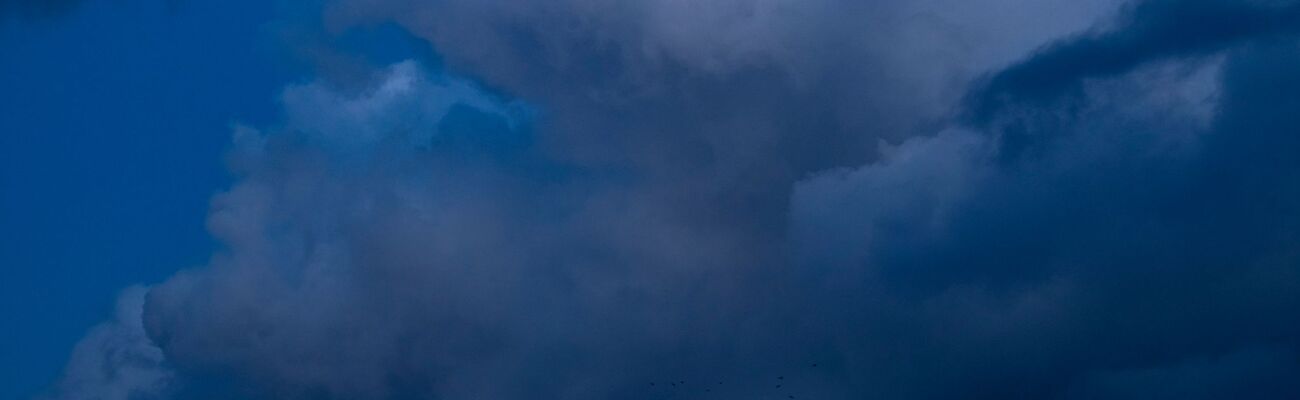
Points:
[(820, 199), (116, 360), (1136, 243), (680, 87)]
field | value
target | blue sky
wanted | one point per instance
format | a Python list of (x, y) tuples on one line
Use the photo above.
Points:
[(896, 199), (114, 119)]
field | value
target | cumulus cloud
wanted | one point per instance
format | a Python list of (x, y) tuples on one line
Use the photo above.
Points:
[(920, 199), (787, 86), (1114, 240), (116, 360)]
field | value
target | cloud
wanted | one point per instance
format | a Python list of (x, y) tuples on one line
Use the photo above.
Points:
[(115, 361), (746, 198), (1132, 234), (788, 86), (348, 225), (1150, 31), (1257, 372), (406, 106)]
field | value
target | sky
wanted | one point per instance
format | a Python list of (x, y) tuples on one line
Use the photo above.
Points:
[(113, 124), (650, 199)]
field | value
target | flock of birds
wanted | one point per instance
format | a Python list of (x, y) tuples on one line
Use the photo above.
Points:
[(673, 386)]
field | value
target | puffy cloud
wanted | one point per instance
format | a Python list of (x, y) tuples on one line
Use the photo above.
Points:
[(352, 229), (580, 199), (1131, 236), (116, 360), (676, 87)]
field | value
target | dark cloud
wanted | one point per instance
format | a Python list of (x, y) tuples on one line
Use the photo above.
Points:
[(1141, 233), (765, 198), (1150, 31)]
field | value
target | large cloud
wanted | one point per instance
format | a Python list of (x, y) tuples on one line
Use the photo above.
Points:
[(747, 92), (753, 198), (1143, 239)]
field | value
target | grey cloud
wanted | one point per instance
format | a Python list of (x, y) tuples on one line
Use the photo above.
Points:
[(720, 194), (786, 86), (116, 360), (1149, 32), (1136, 236), (1256, 372)]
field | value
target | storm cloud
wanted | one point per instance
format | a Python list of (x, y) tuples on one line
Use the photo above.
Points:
[(820, 199)]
